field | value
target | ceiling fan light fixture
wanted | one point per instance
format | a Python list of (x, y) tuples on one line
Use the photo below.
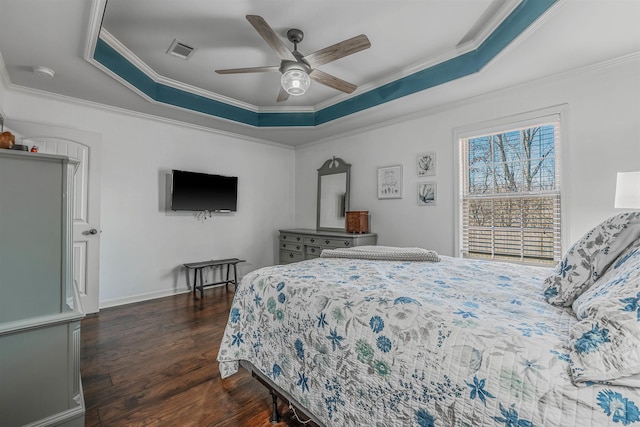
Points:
[(295, 81)]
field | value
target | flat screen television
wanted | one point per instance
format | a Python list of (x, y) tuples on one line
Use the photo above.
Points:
[(193, 191)]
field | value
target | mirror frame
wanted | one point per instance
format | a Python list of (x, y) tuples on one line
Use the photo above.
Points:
[(331, 167)]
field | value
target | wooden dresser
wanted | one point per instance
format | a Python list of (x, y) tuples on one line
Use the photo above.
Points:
[(300, 244)]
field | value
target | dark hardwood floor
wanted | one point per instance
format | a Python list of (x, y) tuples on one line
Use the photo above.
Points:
[(154, 364)]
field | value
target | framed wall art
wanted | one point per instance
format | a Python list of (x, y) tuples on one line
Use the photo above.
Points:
[(390, 182), (427, 193), (426, 163)]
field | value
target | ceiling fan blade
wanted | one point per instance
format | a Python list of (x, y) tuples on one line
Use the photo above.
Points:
[(272, 39), (338, 50), (249, 70), (332, 81), (283, 95)]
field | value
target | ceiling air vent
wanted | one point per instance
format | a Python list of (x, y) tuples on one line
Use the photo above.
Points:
[(180, 50)]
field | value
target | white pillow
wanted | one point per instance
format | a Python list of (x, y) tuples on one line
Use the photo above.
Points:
[(588, 259), (605, 343)]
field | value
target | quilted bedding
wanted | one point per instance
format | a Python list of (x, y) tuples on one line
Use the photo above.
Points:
[(389, 343)]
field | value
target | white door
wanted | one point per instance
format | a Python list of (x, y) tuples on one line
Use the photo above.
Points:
[(84, 147)]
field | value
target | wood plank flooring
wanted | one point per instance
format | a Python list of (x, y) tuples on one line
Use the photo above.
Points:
[(154, 364)]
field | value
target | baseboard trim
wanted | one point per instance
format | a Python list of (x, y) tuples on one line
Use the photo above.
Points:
[(73, 417), (143, 297)]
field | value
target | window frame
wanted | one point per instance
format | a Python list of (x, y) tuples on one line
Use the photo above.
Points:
[(558, 114)]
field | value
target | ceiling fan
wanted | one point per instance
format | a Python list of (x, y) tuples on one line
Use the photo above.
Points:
[(298, 69)]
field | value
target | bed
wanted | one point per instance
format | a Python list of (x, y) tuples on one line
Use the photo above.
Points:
[(457, 342)]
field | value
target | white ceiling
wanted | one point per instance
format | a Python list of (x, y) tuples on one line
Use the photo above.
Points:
[(406, 36)]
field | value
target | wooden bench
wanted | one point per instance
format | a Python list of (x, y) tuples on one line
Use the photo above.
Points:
[(199, 266)]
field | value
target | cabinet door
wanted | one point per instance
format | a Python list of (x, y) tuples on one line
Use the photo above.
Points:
[(31, 232), (85, 148)]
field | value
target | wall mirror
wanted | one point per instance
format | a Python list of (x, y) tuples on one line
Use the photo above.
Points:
[(333, 194)]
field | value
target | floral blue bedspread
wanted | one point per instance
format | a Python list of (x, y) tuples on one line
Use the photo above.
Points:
[(454, 343)]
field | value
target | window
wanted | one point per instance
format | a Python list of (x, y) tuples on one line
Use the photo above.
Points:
[(510, 193)]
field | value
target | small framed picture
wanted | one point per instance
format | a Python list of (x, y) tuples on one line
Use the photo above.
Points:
[(390, 182), (426, 163), (427, 193)]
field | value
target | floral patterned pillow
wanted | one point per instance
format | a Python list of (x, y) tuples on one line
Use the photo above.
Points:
[(605, 343), (588, 259)]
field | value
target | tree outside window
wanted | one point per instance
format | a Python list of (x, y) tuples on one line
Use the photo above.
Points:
[(511, 195)]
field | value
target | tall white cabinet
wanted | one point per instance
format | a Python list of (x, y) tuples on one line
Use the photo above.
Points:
[(40, 316)]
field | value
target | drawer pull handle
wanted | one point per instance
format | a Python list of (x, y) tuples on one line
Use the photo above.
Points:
[(290, 255), (326, 242), (347, 243), (298, 247), (313, 240), (284, 237), (298, 239)]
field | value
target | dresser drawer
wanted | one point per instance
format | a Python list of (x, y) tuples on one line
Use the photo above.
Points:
[(313, 251), (336, 243), (292, 238), (291, 246), (289, 256), (312, 240), (300, 244)]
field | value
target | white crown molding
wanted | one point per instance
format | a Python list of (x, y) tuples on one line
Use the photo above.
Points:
[(634, 56), (115, 44), (153, 101), (530, 30), (486, 30), (119, 110), (93, 31), (400, 74), (490, 20), (142, 66), (122, 81), (503, 9)]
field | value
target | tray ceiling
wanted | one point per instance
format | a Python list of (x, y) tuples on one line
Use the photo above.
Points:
[(423, 54)]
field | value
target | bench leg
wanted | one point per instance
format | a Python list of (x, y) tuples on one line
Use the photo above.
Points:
[(201, 285), (227, 281), (235, 276)]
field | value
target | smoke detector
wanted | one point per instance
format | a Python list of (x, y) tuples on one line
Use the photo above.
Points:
[(43, 71)]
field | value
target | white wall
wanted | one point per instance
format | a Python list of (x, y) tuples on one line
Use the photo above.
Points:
[(602, 138), (143, 244)]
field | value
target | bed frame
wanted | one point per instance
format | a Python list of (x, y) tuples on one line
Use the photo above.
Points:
[(276, 392)]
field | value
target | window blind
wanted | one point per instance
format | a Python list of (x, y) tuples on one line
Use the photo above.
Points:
[(510, 198)]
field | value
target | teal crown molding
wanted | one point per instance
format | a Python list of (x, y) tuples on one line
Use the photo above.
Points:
[(463, 65)]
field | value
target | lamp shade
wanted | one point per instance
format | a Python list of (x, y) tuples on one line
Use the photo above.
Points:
[(295, 81), (628, 190)]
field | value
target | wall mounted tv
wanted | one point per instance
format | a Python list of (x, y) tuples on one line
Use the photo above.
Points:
[(193, 191)]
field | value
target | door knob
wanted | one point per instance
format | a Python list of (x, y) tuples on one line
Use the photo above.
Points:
[(93, 231)]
